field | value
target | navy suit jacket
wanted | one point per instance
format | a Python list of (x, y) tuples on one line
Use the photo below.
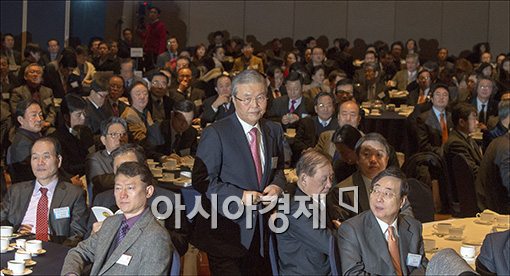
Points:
[(280, 107), (495, 253), (224, 167), (209, 116)]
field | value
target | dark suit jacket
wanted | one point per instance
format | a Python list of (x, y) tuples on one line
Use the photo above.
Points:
[(74, 149), (458, 144), (429, 131), (167, 105), (120, 105), (361, 91), (18, 158), (495, 253), (492, 134), (335, 211), (490, 110), (280, 107), (147, 243), (96, 115), (187, 142), (493, 180), (224, 166), (301, 248), (179, 235), (98, 163), (363, 248), (209, 116), (49, 110), (51, 79), (15, 205), (110, 64), (196, 96), (308, 131)]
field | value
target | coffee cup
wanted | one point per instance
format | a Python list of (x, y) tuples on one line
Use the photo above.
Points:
[(151, 165), (503, 220), (4, 244), (170, 164), (156, 171), (442, 228), (6, 231), (33, 246), (456, 232), (22, 256), (20, 243), (168, 176), (17, 267), (429, 244), (468, 251), (486, 217)]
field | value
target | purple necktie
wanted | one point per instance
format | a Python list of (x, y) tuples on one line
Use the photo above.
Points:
[(292, 107)]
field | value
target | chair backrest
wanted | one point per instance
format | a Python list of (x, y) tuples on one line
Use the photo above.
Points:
[(421, 200), (463, 180)]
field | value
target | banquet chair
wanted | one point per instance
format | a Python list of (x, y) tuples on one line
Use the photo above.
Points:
[(421, 200)]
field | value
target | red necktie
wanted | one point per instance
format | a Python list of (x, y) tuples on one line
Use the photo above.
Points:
[(41, 230), (292, 107), (254, 148), (444, 129), (394, 250), (115, 109)]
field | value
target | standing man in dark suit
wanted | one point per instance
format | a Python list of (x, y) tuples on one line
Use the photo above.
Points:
[(435, 124), (459, 142), (288, 109), (239, 157), (302, 249), (26, 205), (219, 106), (131, 243), (310, 128), (484, 101), (380, 240)]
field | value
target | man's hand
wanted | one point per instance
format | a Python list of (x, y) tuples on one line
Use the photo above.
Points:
[(289, 118), (251, 198), (336, 223), (222, 99), (25, 229), (272, 190), (183, 85), (96, 226), (77, 181)]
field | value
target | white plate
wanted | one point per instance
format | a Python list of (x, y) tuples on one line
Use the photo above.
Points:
[(478, 221), (454, 238), (10, 248), (6, 271), (168, 180)]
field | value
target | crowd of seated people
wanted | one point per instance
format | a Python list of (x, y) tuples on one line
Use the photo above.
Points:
[(70, 115)]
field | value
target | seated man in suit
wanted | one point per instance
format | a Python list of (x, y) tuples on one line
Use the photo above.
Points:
[(113, 135), (484, 102), (29, 120), (348, 114), (381, 240), (494, 254), (302, 249), (180, 137), (434, 124), (493, 181), (404, 77), (49, 207), (288, 109), (96, 110), (372, 88), (129, 243), (160, 105), (248, 60), (459, 142), (421, 91), (218, 106), (373, 156), (185, 91), (116, 91), (310, 128)]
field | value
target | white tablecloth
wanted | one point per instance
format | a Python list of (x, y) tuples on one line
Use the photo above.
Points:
[(474, 234)]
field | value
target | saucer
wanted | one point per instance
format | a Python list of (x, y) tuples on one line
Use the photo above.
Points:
[(6, 271), (473, 243), (433, 250), (168, 180), (10, 248), (469, 260), (478, 221), (454, 238), (506, 225), (157, 175), (30, 263), (13, 236), (38, 252)]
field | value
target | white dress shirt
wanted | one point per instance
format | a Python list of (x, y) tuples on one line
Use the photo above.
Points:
[(31, 214), (246, 128)]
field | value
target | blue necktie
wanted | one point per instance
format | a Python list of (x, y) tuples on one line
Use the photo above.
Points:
[(123, 230)]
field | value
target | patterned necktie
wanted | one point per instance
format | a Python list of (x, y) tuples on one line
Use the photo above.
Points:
[(41, 228), (444, 129), (255, 154), (481, 116), (115, 109), (421, 98), (394, 250), (225, 106), (292, 107), (123, 230)]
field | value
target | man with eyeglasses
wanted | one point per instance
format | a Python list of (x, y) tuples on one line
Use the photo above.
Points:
[(421, 94), (113, 135), (96, 110), (382, 240), (484, 102), (239, 156), (186, 91), (116, 101), (160, 104), (310, 128)]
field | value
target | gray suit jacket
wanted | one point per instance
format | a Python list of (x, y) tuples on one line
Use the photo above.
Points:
[(15, 205), (495, 253), (429, 131), (98, 163), (147, 243), (364, 250)]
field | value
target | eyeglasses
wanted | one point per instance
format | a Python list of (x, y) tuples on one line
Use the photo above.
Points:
[(259, 99), (387, 195), (159, 84), (115, 135), (321, 105), (485, 86)]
